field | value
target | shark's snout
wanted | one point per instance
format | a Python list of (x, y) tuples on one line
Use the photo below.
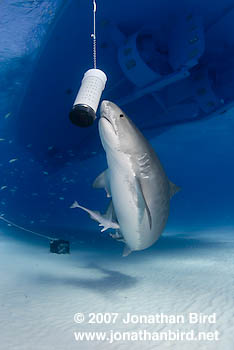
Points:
[(105, 111), (104, 108)]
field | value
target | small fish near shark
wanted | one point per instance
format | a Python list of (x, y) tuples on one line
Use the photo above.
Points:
[(135, 181)]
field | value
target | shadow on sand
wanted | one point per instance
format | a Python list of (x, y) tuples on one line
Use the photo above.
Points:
[(111, 280)]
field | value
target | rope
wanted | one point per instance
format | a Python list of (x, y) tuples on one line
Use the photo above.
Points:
[(93, 35), (24, 229)]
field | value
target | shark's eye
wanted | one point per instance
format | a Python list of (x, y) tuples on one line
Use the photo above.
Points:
[(121, 115)]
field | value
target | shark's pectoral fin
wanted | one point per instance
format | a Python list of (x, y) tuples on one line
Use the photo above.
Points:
[(144, 201), (110, 213), (126, 251), (109, 219), (173, 189), (102, 182)]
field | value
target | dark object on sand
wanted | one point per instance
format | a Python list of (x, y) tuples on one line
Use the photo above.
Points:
[(59, 246)]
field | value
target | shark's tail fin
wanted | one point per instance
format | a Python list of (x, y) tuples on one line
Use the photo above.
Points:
[(126, 251), (75, 205)]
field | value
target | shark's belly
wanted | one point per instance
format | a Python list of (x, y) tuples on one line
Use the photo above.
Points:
[(126, 209), (132, 217)]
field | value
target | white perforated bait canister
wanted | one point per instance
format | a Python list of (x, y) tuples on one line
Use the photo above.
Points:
[(84, 109)]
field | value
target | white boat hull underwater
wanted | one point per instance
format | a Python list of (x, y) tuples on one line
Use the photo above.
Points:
[(135, 180)]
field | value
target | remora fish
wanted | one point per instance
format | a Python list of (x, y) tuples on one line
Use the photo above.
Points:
[(136, 181)]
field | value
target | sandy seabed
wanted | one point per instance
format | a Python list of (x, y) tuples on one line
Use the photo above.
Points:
[(184, 273)]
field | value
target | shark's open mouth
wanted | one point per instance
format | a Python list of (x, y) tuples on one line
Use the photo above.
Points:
[(104, 117), (107, 120)]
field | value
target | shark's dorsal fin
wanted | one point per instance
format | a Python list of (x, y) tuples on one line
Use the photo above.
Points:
[(101, 181), (126, 251), (145, 203), (173, 189)]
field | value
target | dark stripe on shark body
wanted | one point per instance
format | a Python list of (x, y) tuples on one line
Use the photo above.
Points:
[(146, 205)]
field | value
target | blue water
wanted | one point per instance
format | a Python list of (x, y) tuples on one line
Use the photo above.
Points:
[(47, 163)]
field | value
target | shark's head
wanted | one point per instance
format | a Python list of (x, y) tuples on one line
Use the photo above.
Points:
[(117, 131)]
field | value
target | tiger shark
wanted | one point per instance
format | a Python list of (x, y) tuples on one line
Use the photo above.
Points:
[(135, 180)]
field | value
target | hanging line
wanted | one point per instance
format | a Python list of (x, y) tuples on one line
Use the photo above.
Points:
[(93, 35), (25, 229)]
